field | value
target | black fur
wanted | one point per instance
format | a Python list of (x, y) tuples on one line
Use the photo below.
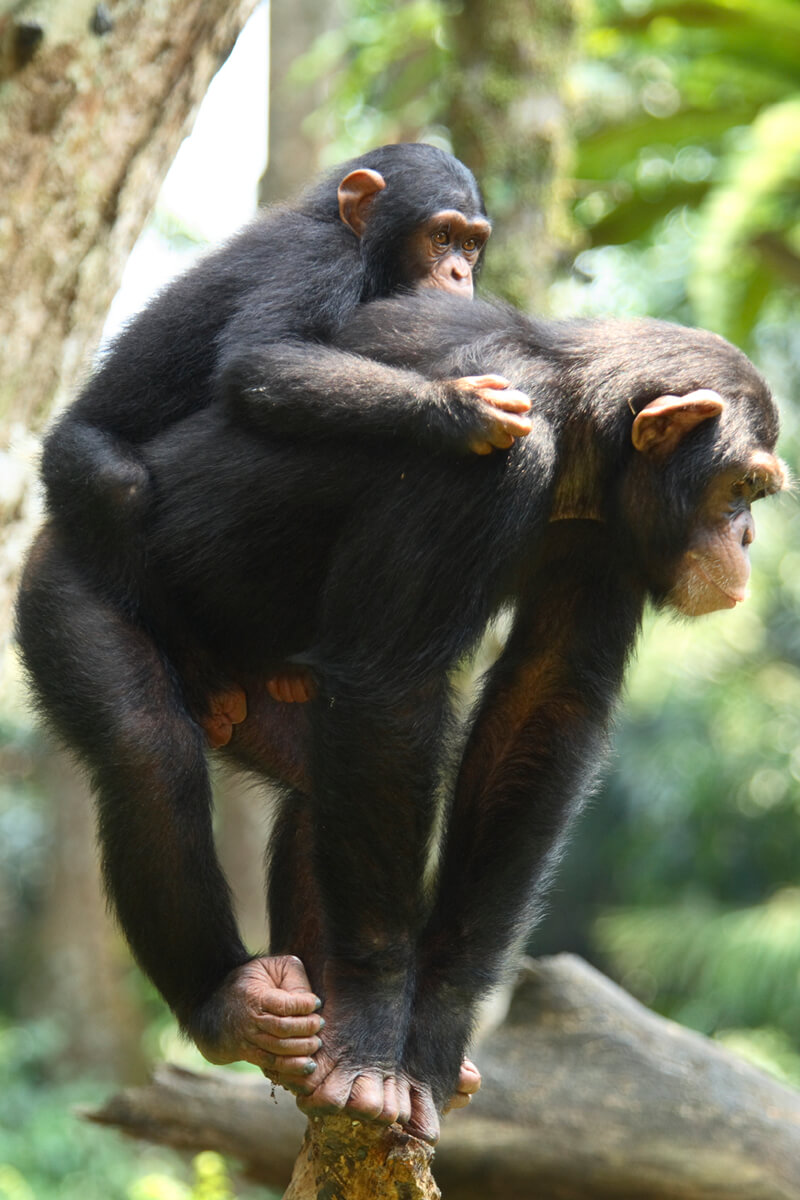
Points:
[(247, 325), (379, 565)]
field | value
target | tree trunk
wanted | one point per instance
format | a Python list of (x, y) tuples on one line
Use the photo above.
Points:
[(586, 1096), (294, 150), (342, 1159), (509, 123), (83, 964), (244, 808), (92, 112)]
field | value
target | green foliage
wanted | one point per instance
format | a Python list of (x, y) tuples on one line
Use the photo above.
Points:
[(386, 63), (47, 1152), (211, 1182), (694, 108), (713, 969), (751, 223)]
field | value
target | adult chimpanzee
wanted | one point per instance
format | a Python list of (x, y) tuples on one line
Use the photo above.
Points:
[(378, 568), (253, 324)]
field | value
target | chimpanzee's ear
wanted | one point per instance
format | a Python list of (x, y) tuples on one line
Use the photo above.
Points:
[(660, 426), (356, 193)]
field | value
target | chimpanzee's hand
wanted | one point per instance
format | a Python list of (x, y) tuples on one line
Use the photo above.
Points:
[(502, 416), (264, 1013)]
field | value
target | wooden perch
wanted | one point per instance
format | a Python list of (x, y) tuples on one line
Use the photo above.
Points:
[(586, 1094)]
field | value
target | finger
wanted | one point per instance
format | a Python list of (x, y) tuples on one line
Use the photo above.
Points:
[(286, 1047), (273, 687), (486, 381), (287, 1004), (299, 1067), (508, 401), (292, 976), (509, 427), (289, 1027), (515, 423), (299, 690), (481, 447)]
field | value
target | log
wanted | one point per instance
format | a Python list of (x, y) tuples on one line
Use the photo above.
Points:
[(586, 1095), (342, 1159)]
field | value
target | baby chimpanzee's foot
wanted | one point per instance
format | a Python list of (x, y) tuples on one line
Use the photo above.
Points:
[(264, 1013), (292, 685), (225, 709)]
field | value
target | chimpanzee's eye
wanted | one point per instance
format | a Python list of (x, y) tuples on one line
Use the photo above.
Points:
[(470, 244), (441, 237), (751, 488)]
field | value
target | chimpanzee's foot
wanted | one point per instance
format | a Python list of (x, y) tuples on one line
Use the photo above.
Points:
[(292, 685), (225, 709), (264, 1013), (383, 1094), (469, 1082), (358, 1068)]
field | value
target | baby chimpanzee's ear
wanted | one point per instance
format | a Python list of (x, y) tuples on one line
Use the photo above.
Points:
[(356, 193)]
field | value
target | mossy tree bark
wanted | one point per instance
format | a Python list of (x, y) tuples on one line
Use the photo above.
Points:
[(509, 121), (94, 103)]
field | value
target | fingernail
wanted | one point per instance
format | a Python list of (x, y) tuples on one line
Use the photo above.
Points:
[(309, 1068), (322, 1022), (318, 1004)]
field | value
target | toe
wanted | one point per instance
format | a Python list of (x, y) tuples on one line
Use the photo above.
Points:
[(366, 1097), (391, 1102), (424, 1120)]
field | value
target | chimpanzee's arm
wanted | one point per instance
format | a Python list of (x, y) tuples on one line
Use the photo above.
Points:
[(312, 390), (531, 758)]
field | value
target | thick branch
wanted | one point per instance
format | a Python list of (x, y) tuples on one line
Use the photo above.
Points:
[(586, 1094)]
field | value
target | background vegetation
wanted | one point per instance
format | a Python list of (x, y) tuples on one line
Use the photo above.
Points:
[(671, 187)]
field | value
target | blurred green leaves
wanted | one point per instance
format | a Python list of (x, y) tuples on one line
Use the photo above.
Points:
[(386, 65), (696, 108), (717, 970)]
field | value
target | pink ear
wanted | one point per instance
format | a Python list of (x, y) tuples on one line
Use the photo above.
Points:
[(660, 426), (355, 194)]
